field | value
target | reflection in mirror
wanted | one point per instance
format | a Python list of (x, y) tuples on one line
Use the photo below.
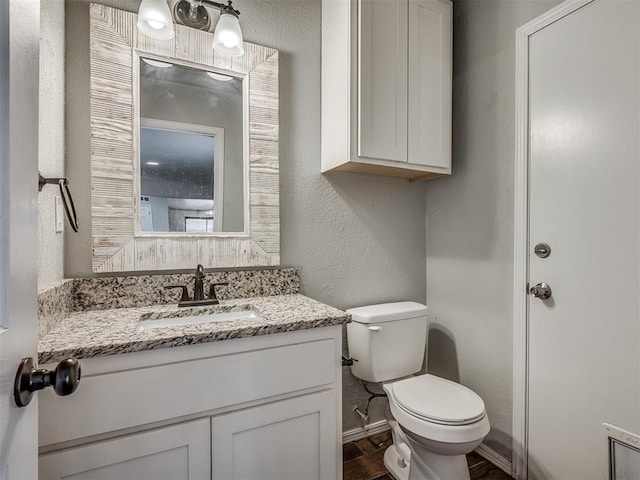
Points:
[(177, 177), (191, 150)]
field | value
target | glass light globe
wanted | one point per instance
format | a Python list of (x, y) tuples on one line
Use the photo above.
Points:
[(227, 37), (154, 19)]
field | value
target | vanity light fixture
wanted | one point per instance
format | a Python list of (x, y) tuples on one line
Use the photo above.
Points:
[(154, 19), (153, 164), (227, 36)]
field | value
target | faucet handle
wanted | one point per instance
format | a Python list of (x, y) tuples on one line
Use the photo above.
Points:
[(212, 289), (185, 293)]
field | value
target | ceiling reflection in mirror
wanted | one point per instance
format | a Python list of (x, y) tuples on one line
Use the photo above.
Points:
[(191, 150)]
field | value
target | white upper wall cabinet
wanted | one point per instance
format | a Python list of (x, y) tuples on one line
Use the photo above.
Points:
[(386, 87), (429, 132), (382, 61)]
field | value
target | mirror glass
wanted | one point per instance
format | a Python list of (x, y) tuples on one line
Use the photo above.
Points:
[(191, 162)]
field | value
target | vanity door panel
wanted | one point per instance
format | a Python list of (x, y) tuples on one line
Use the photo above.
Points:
[(179, 452), (294, 439)]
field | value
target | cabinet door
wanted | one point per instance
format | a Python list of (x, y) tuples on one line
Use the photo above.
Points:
[(294, 439), (382, 79), (169, 453), (430, 83)]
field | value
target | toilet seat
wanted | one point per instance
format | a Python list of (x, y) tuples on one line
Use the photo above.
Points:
[(438, 400), (425, 427)]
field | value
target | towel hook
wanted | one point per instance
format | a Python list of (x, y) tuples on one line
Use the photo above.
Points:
[(65, 193)]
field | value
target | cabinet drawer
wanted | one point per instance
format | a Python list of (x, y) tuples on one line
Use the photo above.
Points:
[(114, 401)]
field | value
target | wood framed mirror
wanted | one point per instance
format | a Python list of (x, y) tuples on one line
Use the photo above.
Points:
[(119, 242)]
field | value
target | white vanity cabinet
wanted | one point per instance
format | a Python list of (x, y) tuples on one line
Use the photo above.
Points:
[(386, 87), (256, 407)]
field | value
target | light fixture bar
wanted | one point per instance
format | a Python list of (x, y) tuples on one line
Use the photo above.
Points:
[(228, 8), (227, 37), (192, 14)]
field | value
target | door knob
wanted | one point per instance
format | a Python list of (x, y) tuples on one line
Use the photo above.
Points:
[(541, 291), (64, 379)]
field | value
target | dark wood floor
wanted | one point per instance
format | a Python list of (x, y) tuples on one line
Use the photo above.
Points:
[(363, 460)]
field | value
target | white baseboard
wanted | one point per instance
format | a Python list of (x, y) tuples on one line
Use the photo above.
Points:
[(495, 458), (359, 433)]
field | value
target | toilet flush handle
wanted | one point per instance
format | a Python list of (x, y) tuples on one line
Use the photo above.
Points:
[(375, 328)]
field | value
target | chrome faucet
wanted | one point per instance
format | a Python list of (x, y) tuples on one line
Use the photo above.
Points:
[(198, 291)]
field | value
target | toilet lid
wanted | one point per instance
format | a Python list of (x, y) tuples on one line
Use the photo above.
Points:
[(438, 400)]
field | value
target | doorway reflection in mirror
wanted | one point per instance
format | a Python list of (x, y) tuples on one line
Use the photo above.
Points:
[(191, 159)]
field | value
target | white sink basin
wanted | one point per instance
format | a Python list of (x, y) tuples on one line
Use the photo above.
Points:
[(195, 318)]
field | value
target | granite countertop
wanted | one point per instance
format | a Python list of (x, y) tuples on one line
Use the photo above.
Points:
[(109, 332)]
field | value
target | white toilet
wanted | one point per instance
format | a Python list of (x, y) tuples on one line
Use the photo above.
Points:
[(435, 421)]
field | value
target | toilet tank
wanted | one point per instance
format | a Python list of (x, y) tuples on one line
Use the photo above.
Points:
[(387, 340)]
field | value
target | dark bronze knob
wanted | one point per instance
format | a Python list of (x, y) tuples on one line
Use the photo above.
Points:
[(64, 379)]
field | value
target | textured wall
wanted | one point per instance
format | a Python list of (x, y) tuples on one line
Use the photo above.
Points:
[(51, 140), (470, 215), (357, 239)]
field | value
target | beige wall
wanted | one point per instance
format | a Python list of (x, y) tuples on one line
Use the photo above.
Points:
[(470, 214)]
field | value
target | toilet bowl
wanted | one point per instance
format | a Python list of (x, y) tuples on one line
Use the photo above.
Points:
[(440, 421), (436, 422)]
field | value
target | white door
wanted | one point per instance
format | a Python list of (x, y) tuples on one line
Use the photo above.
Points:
[(584, 342), (19, 57)]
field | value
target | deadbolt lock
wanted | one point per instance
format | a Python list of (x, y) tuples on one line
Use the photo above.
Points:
[(543, 250)]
